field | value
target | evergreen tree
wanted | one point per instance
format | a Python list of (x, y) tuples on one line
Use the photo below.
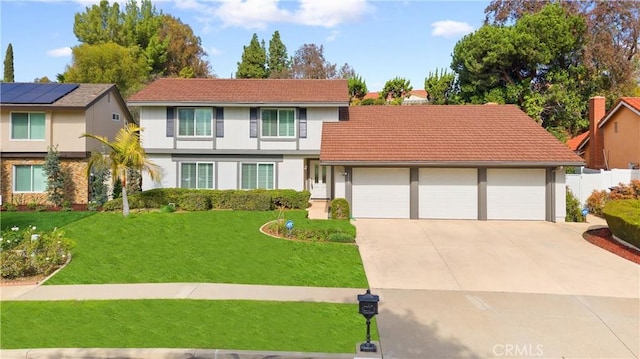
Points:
[(278, 62), (98, 190), (56, 177), (8, 65), (357, 87), (254, 60)]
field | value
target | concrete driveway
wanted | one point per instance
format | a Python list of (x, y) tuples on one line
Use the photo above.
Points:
[(499, 289)]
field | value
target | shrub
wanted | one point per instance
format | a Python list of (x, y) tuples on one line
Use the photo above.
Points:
[(194, 202), (289, 198), (28, 253), (574, 211), (221, 199), (340, 209), (10, 207), (341, 237), (596, 202), (623, 218), (314, 231), (167, 209), (255, 200)]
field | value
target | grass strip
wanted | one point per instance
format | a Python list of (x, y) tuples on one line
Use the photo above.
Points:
[(249, 325)]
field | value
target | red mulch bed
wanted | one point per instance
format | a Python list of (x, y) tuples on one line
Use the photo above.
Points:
[(603, 238)]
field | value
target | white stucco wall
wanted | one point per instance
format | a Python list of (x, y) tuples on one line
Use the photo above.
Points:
[(227, 175), (153, 121), (168, 173), (315, 118), (236, 130), (338, 176), (291, 173)]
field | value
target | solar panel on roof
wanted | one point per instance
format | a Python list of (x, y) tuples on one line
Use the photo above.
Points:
[(29, 93)]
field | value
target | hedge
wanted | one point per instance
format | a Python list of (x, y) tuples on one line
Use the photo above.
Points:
[(202, 199), (623, 218)]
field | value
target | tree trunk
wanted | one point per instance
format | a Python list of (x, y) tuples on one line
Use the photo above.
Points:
[(125, 202)]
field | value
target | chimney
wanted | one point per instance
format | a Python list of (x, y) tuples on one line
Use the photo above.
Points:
[(597, 111)]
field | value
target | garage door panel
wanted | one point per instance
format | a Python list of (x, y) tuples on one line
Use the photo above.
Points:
[(380, 192), (516, 194), (448, 193)]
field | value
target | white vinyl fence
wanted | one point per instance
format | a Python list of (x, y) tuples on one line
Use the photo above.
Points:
[(582, 184)]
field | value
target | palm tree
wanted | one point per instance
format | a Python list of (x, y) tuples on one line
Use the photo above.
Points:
[(125, 152)]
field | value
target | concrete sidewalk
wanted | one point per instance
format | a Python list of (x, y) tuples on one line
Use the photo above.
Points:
[(208, 291)]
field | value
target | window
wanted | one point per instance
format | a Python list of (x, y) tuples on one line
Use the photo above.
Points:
[(194, 121), (27, 125), (196, 175), (257, 175), (278, 123), (29, 178), (115, 117)]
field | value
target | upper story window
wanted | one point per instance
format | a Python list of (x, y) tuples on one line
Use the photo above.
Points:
[(278, 123), (27, 125), (194, 121), (115, 116)]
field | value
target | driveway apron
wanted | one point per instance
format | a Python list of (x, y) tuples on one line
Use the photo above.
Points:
[(460, 289)]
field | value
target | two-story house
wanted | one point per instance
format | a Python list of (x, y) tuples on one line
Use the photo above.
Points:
[(35, 117), (239, 133), (457, 162)]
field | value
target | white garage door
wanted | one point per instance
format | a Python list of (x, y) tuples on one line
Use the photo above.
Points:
[(448, 193), (516, 194), (380, 192)]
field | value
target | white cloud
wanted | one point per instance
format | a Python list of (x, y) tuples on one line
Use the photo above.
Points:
[(258, 14), (214, 51), (330, 13), (450, 28), (250, 14), (333, 35), (61, 52)]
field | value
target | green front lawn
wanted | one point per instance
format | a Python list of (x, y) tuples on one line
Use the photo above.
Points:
[(250, 325), (210, 246), (44, 221)]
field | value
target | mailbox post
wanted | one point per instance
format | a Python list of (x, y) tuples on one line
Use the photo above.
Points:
[(368, 307)]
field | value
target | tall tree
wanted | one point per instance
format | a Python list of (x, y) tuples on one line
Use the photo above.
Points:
[(441, 87), (108, 63), (254, 59), (536, 63), (309, 63), (124, 153), (396, 89), (611, 36), (8, 65), (42, 80), (184, 52), (278, 63), (357, 87)]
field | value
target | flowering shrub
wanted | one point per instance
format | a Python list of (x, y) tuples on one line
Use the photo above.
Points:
[(598, 199), (29, 252)]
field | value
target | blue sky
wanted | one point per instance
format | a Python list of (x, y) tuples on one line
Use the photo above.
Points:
[(379, 39)]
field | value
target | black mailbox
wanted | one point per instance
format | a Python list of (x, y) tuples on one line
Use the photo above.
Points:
[(368, 307), (368, 304)]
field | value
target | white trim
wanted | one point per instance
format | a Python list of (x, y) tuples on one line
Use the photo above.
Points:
[(213, 174), (15, 179)]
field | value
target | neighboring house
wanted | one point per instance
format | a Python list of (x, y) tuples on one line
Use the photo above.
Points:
[(239, 133), (458, 162), (37, 116), (416, 97), (451, 162), (613, 139)]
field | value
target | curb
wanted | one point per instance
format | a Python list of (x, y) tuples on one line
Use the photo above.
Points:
[(166, 353)]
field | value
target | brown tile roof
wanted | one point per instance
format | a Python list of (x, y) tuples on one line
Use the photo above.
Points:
[(490, 134), (575, 142), (243, 91)]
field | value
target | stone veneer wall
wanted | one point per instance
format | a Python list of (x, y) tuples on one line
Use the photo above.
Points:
[(78, 183)]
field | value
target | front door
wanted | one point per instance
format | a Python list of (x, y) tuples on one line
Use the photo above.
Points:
[(318, 180)]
